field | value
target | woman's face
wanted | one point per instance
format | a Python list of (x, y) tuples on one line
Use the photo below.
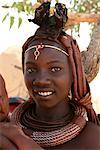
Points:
[(49, 78)]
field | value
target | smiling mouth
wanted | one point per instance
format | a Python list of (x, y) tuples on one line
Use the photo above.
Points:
[(43, 93)]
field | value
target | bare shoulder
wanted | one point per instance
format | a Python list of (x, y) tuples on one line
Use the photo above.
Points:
[(92, 129), (90, 136), (88, 139)]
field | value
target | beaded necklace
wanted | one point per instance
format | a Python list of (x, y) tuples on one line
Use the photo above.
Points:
[(55, 136)]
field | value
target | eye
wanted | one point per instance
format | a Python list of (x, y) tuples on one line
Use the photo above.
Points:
[(55, 69), (31, 70)]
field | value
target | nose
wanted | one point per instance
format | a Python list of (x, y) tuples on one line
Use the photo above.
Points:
[(42, 79)]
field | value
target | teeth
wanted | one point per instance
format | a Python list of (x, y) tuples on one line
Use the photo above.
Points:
[(44, 93)]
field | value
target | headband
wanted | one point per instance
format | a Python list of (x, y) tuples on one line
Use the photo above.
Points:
[(37, 47)]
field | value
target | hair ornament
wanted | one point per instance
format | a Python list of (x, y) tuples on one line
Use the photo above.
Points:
[(41, 46), (37, 52), (41, 14), (53, 22)]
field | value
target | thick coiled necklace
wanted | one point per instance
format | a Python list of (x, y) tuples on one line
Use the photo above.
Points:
[(52, 133)]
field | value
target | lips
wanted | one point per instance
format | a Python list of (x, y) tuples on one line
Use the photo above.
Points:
[(43, 93)]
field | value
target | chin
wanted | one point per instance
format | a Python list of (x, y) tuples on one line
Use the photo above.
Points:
[(46, 105)]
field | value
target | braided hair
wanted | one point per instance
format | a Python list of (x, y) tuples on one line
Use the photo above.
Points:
[(51, 28)]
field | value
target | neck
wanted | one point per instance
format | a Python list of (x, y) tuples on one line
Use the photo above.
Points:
[(55, 113)]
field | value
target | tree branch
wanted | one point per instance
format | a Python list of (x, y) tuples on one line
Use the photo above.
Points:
[(91, 57), (76, 18)]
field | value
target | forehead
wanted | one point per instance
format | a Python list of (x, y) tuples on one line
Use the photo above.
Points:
[(46, 54)]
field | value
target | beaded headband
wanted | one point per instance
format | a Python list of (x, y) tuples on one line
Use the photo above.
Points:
[(41, 46)]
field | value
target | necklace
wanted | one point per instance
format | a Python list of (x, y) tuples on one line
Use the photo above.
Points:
[(55, 136)]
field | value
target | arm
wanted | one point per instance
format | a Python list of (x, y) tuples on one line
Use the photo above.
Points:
[(6, 144), (4, 104), (16, 136)]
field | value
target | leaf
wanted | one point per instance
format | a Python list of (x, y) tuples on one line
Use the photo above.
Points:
[(19, 21), (14, 5), (82, 9), (5, 17), (28, 9), (11, 21), (57, 1), (20, 7), (5, 6)]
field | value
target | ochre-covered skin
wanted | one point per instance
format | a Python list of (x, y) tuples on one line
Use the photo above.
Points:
[(57, 87), (4, 104)]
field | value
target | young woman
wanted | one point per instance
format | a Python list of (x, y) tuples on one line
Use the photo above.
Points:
[(59, 113)]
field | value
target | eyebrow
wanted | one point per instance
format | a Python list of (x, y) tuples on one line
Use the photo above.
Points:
[(30, 62), (55, 61), (51, 62)]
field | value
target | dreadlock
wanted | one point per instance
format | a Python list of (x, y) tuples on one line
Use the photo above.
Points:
[(51, 28)]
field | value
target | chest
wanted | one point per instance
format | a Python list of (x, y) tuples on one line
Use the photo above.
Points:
[(78, 143), (87, 140)]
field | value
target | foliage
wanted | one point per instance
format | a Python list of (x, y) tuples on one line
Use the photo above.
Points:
[(23, 6), (86, 6)]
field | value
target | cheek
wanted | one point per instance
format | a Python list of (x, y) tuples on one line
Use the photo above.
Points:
[(28, 81), (66, 82)]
